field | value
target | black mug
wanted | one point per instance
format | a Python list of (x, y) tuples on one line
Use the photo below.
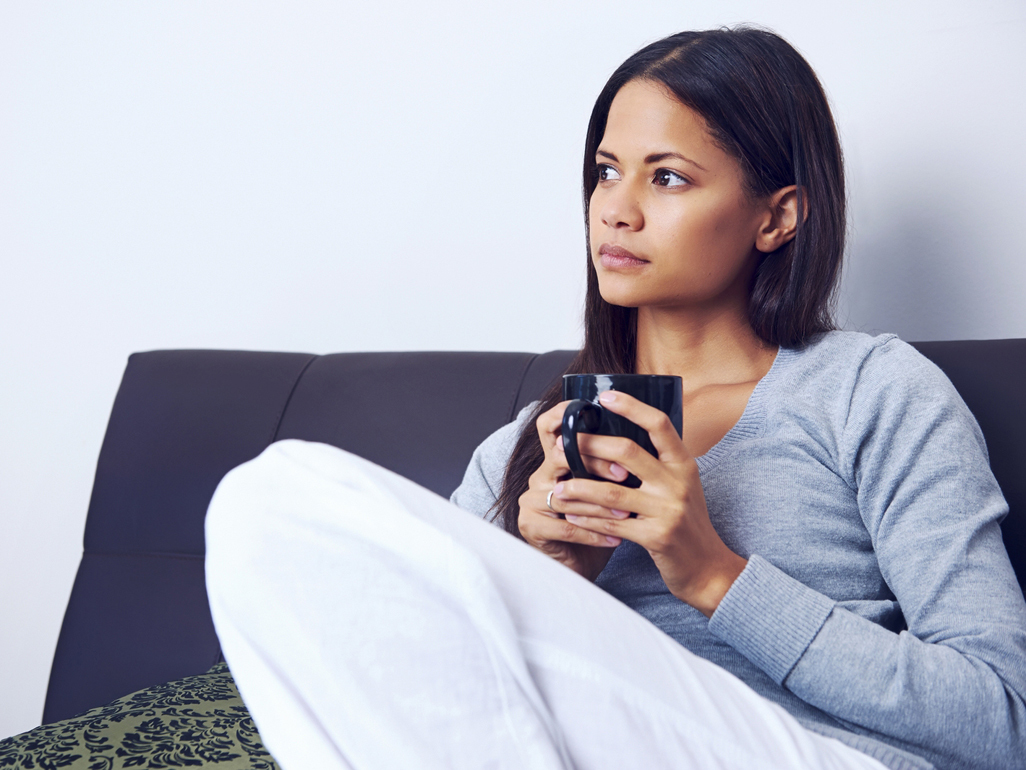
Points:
[(584, 414)]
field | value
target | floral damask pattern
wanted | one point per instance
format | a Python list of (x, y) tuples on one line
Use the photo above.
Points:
[(191, 722)]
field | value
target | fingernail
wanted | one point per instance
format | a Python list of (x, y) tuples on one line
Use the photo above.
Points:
[(572, 518), (617, 513), (559, 442), (558, 489), (607, 397), (618, 470), (612, 540)]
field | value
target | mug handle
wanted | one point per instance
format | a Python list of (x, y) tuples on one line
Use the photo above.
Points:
[(580, 416)]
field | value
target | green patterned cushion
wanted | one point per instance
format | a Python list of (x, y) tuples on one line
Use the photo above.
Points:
[(191, 722)]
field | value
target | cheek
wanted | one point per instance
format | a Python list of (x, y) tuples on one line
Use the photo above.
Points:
[(708, 249), (691, 234), (713, 230), (594, 221)]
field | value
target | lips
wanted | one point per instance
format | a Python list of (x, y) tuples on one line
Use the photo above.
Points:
[(618, 257)]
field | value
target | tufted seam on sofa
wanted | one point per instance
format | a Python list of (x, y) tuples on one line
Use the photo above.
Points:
[(148, 554), (520, 385), (288, 399)]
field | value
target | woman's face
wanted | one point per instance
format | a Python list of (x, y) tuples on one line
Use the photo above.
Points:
[(671, 225)]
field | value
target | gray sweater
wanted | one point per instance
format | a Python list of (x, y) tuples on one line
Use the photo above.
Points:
[(878, 605)]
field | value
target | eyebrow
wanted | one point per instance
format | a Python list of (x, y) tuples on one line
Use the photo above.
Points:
[(655, 158)]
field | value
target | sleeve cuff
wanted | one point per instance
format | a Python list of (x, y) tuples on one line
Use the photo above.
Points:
[(769, 617)]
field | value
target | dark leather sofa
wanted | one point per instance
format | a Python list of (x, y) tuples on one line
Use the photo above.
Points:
[(138, 613)]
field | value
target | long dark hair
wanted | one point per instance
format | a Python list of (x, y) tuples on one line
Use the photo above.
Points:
[(764, 106)]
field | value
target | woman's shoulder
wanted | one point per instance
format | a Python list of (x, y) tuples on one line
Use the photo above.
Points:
[(842, 362), (853, 378), (847, 349), (875, 385), (482, 480)]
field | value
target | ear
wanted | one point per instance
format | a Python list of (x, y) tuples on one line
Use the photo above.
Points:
[(781, 222)]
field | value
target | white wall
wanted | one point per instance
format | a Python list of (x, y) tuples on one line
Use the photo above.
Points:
[(312, 176)]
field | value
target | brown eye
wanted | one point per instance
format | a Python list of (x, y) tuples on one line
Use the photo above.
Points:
[(667, 178), (607, 173)]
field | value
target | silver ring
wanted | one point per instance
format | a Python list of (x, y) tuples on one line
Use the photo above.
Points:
[(548, 500)]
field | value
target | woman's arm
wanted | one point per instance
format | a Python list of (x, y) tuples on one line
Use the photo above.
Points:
[(952, 686), (482, 481)]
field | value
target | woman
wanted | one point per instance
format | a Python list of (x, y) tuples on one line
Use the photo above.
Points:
[(830, 491)]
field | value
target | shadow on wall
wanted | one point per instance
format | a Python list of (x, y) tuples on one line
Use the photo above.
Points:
[(921, 274)]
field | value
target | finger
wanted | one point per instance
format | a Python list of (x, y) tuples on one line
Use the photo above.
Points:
[(656, 422), (542, 501), (550, 423), (538, 529), (596, 466), (625, 453), (577, 508), (552, 470), (555, 507), (603, 495), (609, 528)]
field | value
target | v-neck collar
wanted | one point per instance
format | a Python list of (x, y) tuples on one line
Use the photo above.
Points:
[(751, 420)]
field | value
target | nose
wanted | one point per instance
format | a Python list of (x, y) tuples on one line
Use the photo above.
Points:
[(620, 208)]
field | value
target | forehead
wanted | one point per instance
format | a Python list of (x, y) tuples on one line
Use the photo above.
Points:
[(646, 119)]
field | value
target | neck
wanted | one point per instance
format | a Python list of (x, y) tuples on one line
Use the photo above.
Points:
[(703, 346)]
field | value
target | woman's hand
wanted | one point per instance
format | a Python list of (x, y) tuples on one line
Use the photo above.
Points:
[(672, 521), (583, 551)]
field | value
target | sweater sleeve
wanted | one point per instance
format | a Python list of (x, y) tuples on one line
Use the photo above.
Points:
[(951, 688), (482, 481)]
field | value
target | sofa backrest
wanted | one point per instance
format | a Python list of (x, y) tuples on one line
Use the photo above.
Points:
[(138, 613)]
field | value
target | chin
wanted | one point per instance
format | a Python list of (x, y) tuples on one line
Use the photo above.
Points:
[(622, 293), (621, 299)]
